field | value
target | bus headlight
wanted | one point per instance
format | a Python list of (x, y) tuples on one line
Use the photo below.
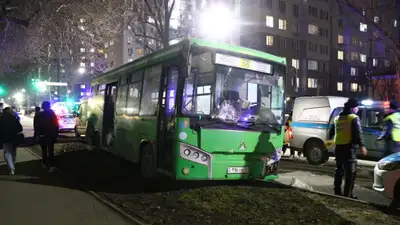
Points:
[(186, 152), (194, 154)]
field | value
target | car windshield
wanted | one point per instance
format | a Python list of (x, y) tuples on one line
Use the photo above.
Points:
[(232, 94)]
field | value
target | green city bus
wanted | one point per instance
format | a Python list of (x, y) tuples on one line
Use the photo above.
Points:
[(196, 110)]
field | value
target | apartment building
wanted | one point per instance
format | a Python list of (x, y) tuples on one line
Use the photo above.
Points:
[(137, 39), (326, 42)]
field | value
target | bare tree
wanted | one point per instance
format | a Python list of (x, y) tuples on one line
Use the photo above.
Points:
[(58, 29), (154, 24)]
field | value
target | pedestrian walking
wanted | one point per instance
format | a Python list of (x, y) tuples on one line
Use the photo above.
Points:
[(46, 127), (10, 137), (391, 130), (347, 135), (35, 124)]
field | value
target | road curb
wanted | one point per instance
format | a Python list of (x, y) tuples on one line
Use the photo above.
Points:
[(331, 195), (96, 196)]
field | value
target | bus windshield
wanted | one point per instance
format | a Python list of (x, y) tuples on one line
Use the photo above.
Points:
[(234, 95)]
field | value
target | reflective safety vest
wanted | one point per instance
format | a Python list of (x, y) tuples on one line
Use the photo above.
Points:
[(343, 129), (395, 118)]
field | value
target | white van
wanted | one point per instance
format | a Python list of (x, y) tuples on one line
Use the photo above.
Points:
[(311, 120)]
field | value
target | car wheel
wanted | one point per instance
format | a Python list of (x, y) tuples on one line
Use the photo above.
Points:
[(148, 162), (396, 196), (77, 134), (316, 153)]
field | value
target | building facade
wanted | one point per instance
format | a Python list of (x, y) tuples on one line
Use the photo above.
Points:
[(331, 46)]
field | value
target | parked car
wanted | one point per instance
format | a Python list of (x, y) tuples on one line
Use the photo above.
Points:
[(66, 122), (387, 177)]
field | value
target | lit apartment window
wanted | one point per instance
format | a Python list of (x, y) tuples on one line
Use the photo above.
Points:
[(83, 86), (387, 63), (376, 19), (395, 23), (353, 87), (363, 27), (130, 60), (269, 40), (111, 42), (296, 63), (339, 86), (363, 58), (354, 56), (106, 45), (82, 64), (282, 24), (374, 62), (82, 93), (340, 39), (105, 55), (129, 28), (298, 82), (269, 20), (83, 50), (312, 83), (312, 29), (92, 50), (353, 71), (312, 64), (92, 64), (340, 55), (130, 40)]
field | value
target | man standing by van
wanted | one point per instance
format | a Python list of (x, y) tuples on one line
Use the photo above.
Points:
[(391, 131), (347, 135)]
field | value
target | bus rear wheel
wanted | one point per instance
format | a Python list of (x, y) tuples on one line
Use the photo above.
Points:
[(148, 162), (316, 152)]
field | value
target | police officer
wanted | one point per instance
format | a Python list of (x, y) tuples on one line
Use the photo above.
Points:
[(347, 135), (391, 131)]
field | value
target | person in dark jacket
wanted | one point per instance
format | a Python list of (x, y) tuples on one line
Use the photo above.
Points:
[(391, 131), (35, 124), (47, 128), (347, 135), (9, 130)]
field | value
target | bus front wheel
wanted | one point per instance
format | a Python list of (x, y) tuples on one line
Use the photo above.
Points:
[(148, 162), (316, 152)]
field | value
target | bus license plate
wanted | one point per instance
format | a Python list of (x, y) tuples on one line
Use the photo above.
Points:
[(238, 169)]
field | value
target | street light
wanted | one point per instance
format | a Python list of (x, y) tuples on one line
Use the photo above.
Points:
[(218, 22), (19, 97), (81, 70)]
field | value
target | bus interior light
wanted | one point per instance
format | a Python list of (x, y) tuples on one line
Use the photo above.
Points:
[(203, 158), (196, 155)]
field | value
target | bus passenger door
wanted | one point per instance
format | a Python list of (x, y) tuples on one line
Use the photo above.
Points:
[(166, 118), (109, 114)]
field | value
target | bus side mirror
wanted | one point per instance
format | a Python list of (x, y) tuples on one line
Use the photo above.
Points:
[(294, 78)]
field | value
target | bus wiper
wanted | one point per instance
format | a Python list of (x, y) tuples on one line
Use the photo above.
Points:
[(275, 128)]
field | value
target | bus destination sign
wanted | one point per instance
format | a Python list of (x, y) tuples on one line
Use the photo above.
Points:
[(243, 63)]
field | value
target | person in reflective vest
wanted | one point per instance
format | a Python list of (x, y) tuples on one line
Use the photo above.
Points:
[(391, 130), (347, 135)]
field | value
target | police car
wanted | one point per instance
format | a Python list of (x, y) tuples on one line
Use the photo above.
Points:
[(387, 177), (313, 117)]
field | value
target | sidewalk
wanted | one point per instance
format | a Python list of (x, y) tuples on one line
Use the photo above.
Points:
[(34, 196)]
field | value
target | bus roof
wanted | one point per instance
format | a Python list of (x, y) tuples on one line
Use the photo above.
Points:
[(174, 50)]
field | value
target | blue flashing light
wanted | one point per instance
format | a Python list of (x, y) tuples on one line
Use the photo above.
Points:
[(367, 102)]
